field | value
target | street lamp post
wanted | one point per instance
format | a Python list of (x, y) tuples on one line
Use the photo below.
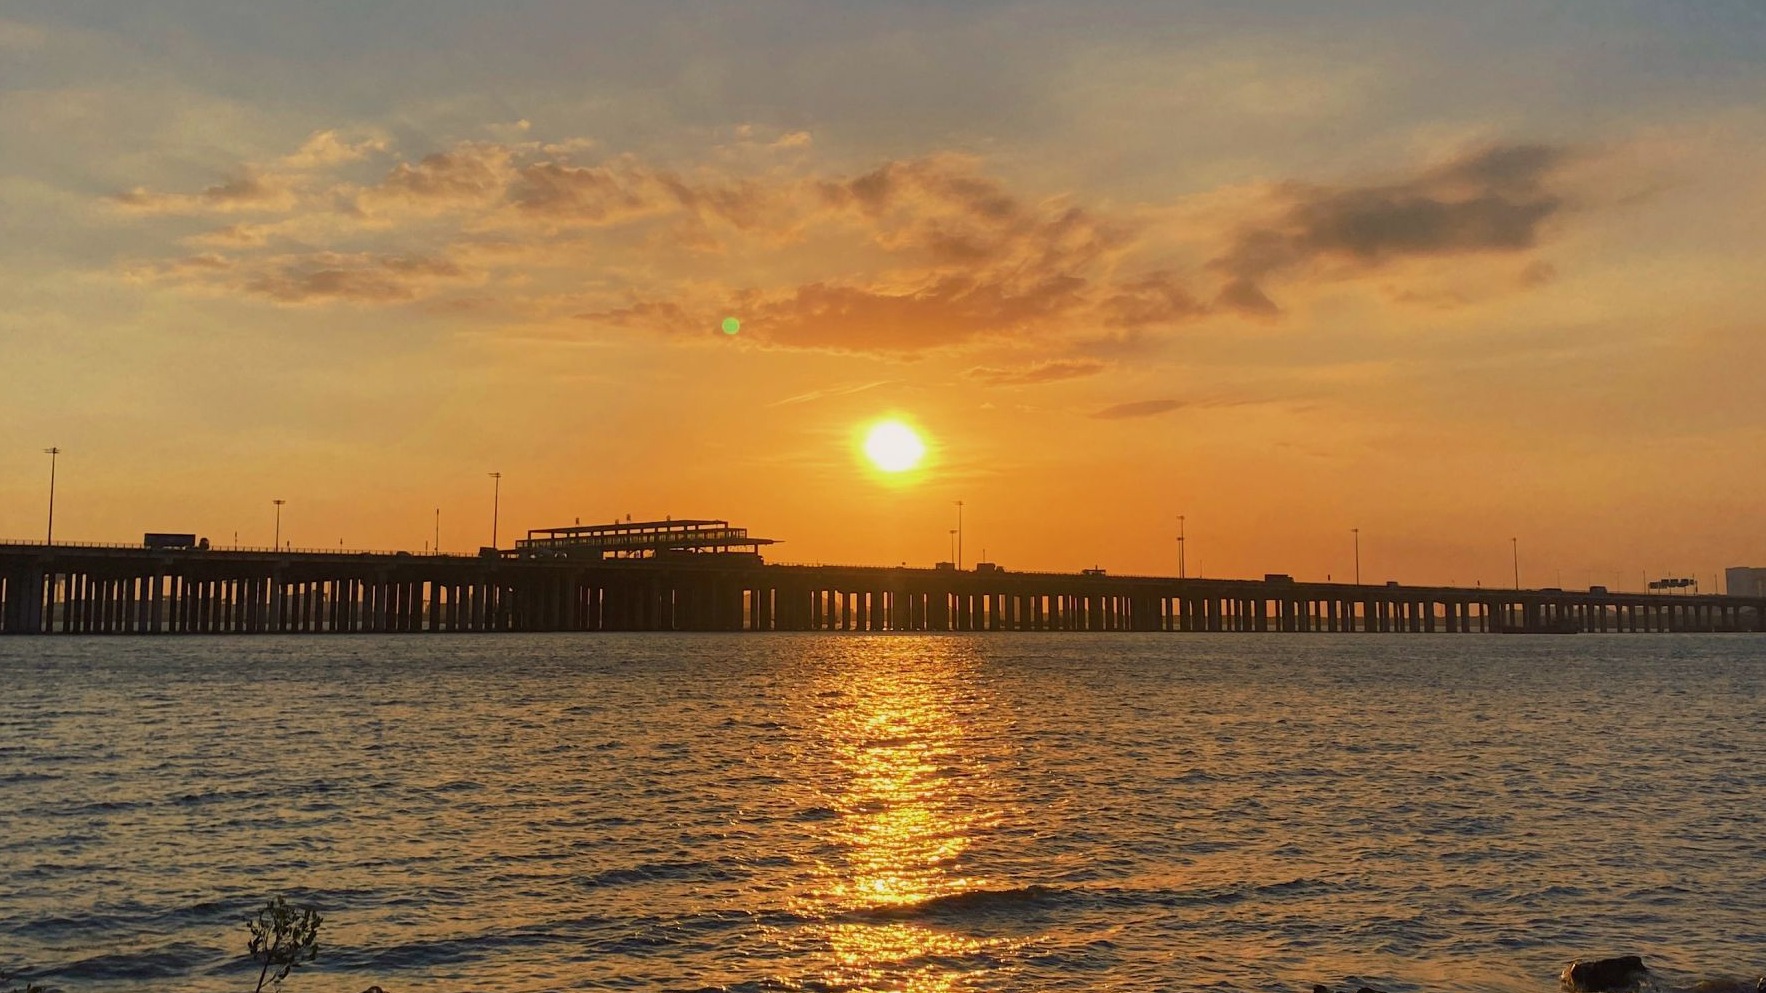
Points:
[(438, 530), (1180, 549), (953, 544), (496, 504), (278, 542), (959, 536), (1514, 547), (1357, 533), (52, 453)]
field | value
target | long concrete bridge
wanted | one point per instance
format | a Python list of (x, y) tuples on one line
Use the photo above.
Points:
[(66, 589)]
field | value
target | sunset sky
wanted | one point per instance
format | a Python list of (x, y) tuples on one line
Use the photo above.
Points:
[(1447, 273)]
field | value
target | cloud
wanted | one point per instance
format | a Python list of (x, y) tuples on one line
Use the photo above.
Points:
[(912, 255), (836, 391), (323, 149), (949, 311), (1247, 297), (1042, 372), (1537, 273), (1492, 201), (247, 190), (232, 236), (592, 193), (472, 175), (361, 277), (1151, 300), (1139, 408), (649, 315), (625, 190), (958, 257), (904, 258), (320, 277)]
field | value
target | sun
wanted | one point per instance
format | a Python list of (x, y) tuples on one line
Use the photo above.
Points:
[(894, 447)]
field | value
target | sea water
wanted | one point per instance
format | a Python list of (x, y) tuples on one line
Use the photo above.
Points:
[(893, 812)]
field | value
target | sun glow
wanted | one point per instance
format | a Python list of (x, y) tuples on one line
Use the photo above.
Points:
[(894, 447)]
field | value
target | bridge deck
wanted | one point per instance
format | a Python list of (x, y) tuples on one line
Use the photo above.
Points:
[(117, 590)]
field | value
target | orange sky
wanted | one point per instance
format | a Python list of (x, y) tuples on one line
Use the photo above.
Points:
[(1448, 278)]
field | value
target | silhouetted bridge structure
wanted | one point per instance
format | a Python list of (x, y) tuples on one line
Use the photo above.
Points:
[(130, 590)]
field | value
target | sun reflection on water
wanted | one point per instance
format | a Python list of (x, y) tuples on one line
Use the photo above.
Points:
[(899, 721)]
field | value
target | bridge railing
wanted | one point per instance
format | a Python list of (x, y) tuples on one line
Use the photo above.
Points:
[(31, 542), (253, 549)]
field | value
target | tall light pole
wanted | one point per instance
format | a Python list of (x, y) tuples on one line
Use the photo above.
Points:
[(1180, 549), (959, 536), (52, 453), (953, 544), (1514, 547), (438, 530), (496, 504), (278, 543), (1357, 533)]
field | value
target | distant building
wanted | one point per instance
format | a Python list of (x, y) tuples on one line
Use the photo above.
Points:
[(1743, 581)]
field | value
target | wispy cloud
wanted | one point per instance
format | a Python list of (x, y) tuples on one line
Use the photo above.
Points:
[(246, 191), (1051, 371), (833, 391), (1138, 408)]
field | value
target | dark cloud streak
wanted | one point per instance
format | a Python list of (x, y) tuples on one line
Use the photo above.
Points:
[(1495, 200)]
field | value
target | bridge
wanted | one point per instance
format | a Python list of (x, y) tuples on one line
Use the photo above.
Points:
[(69, 589)]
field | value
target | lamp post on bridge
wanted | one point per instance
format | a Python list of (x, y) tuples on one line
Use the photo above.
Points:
[(1514, 547), (1357, 533), (959, 536), (52, 453), (496, 503), (438, 530), (277, 544), (1181, 572)]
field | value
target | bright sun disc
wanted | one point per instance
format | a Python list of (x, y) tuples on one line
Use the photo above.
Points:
[(894, 447)]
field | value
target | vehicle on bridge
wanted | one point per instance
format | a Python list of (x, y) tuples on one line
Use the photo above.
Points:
[(166, 539)]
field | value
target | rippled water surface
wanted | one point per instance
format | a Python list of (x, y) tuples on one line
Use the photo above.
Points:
[(783, 812)]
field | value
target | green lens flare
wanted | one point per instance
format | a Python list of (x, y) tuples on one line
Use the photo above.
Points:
[(731, 325)]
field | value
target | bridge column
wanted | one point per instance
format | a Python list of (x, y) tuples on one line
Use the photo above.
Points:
[(24, 602)]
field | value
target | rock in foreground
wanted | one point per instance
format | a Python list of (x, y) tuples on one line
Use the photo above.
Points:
[(1626, 972)]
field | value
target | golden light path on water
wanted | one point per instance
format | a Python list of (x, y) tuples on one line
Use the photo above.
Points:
[(915, 796)]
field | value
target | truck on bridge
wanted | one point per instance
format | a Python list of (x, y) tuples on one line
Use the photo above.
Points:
[(167, 539)]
